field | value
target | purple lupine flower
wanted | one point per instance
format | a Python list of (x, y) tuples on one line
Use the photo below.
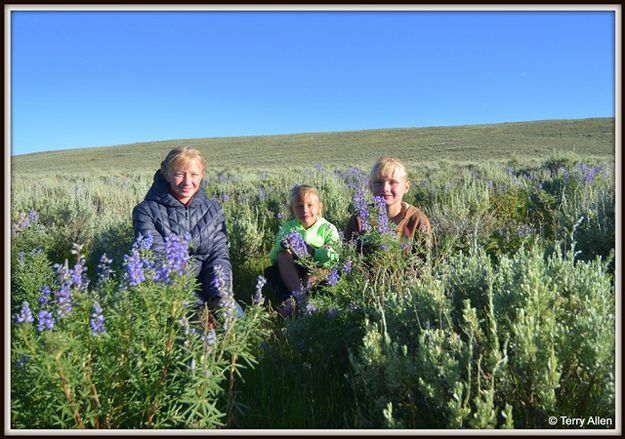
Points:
[(380, 206), (21, 257), (25, 315), (148, 264), (347, 266), (332, 312), (25, 223), (333, 276), (78, 276), (604, 169), (33, 216), (300, 298), (104, 269), (406, 245), (279, 215), (97, 320), (44, 297), (22, 360), (134, 268), (225, 197), (21, 225), (310, 308), (226, 300), (162, 274), (209, 340), (588, 173), (45, 321), (258, 298), (287, 309), (354, 178), (489, 182), (143, 242), (509, 170), (362, 210), (564, 173), (352, 306), (176, 253), (64, 300), (297, 244), (62, 273), (524, 230)]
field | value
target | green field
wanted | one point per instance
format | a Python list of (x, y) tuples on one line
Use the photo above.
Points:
[(461, 144), (509, 321)]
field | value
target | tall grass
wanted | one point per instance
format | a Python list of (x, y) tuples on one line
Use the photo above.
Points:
[(509, 320)]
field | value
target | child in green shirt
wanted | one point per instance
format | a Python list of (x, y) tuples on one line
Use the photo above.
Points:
[(306, 234)]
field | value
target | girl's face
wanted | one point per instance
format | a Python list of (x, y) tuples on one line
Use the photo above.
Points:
[(391, 187), (307, 210), (185, 182)]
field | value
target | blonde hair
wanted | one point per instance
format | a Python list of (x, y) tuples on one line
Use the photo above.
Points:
[(180, 157), (299, 192), (389, 167)]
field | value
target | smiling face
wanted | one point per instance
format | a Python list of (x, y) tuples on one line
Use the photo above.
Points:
[(307, 209), (185, 181), (392, 187)]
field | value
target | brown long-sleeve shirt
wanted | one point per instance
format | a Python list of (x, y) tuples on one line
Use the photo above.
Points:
[(413, 224)]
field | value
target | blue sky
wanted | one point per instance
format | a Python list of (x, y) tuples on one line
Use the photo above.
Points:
[(93, 78)]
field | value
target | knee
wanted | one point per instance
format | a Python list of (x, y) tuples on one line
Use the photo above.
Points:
[(285, 258)]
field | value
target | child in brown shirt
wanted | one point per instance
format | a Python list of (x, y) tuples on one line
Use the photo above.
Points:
[(389, 180)]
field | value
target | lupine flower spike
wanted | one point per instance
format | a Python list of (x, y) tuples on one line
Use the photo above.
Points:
[(45, 321), (97, 320), (104, 269), (258, 298), (227, 303), (380, 206), (25, 315), (333, 276), (297, 244)]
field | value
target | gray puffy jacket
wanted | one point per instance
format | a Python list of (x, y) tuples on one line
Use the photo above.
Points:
[(161, 214)]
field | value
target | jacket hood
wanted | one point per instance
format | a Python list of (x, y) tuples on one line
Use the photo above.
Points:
[(159, 192)]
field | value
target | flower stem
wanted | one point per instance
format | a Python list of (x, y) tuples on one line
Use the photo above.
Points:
[(69, 396)]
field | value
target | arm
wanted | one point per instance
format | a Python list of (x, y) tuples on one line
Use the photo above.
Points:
[(353, 228), (326, 255), (277, 247), (143, 222)]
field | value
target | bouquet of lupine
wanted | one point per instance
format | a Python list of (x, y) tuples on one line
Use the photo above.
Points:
[(294, 242), (377, 234), (128, 354), (378, 246)]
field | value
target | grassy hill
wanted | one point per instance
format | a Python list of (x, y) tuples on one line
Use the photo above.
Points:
[(468, 144)]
